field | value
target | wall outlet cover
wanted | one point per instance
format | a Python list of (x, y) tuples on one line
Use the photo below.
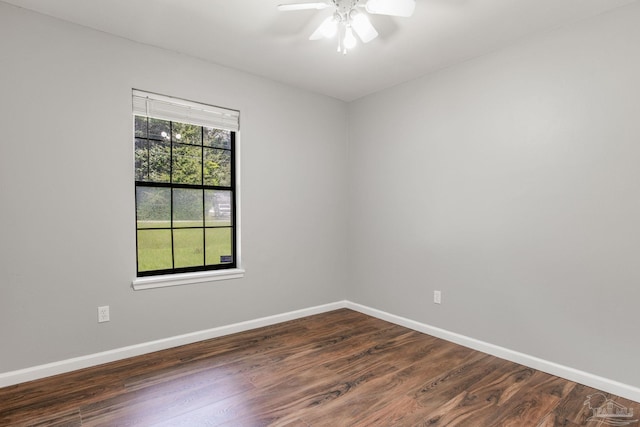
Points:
[(103, 314), (437, 297)]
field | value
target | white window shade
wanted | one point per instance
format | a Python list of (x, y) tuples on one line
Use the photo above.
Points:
[(177, 110)]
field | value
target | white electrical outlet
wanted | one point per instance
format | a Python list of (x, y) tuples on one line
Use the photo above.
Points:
[(103, 314), (437, 297)]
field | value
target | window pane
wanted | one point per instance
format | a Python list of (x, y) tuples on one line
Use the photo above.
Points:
[(219, 246), (154, 250), (188, 248), (218, 208), (187, 164), (217, 167), (217, 138), (187, 208), (142, 159), (159, 129), (153, 207), (186, 134), (152, 161), (141, 127)]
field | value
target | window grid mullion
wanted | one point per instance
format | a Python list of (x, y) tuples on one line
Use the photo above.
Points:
[(148, 145), (173, 249), (185, 186), (204, 203), (233, 196)]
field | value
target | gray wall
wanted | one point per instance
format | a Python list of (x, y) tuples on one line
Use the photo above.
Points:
[(512, 184), (67, 199)]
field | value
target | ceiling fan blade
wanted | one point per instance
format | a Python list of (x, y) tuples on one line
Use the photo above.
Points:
[(362, 26), (327, 29), (303, 6), (402, 8)]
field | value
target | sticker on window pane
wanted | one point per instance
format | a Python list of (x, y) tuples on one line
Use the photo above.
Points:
[(218, 244), (154, 250), (225, 259)]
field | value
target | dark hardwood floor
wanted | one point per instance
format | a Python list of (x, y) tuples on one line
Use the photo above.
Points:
[(340, 368)]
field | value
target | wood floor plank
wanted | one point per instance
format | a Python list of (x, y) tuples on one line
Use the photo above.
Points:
[(161, 401), (399, 404), (340, 368), (278, 409), (329, 352), (533, 403), (475, 403), (66, 419)]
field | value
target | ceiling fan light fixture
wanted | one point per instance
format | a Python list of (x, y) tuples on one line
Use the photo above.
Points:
[(362, 26), (349, 41), (403, 8)]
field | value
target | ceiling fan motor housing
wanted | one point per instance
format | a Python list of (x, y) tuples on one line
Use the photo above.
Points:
[(343, 7)]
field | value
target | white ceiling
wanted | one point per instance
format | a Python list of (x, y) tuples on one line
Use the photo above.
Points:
[(252, 35)]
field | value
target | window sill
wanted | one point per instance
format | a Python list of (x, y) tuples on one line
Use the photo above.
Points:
[(153, 282)]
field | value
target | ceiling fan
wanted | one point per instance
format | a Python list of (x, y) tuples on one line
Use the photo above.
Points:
[(348, 18)]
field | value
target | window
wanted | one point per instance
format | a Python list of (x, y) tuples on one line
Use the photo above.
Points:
[(185, 186)]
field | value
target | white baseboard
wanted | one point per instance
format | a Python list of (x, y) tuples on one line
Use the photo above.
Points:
[(61, 367), (571, 374)]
